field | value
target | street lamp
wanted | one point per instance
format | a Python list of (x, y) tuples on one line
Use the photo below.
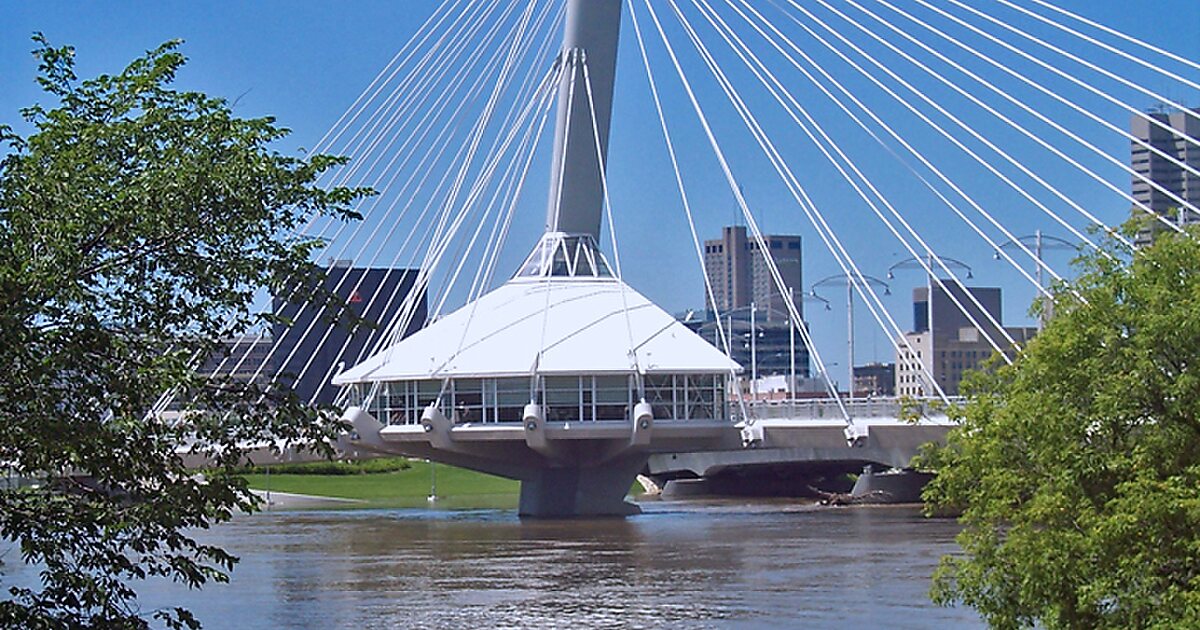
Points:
[(849, 282), (1040, 243), (926, 263), (914, 262), (826, 376), (792, 334), (752, 345), (810, 296)]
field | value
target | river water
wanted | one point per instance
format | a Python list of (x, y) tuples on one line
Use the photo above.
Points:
[(682, 564)]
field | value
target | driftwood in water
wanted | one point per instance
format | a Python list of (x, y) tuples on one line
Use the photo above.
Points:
[(844, 498)]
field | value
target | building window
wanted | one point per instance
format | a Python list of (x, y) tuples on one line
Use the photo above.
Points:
[(563, 398)]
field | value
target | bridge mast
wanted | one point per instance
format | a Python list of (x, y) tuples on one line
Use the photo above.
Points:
[(576, 193)]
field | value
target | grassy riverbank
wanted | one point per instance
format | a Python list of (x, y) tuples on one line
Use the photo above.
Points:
[(400, 485)]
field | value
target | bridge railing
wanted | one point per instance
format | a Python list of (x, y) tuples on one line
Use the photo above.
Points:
[(800, 409), (828, 409)]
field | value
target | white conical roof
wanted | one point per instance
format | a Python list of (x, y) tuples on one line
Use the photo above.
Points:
[(551, 325)]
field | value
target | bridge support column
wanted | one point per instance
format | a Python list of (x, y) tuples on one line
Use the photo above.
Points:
[(581, 492)]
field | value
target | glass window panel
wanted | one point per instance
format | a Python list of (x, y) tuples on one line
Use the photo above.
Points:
[(701, 396), (512, 391), (587, 407), (559, 266), (562, 397), (610, 382), (602, 269), (700, 411), (660, 393), (658, 380), (585, 264), (561, 382), (719, 402), (426, 393), (510, 414), (468, 385), (511, 396), (468, 400), (612, 397), (536, 263), (612, 388), (584, 267), (562, 413), (612, 412)]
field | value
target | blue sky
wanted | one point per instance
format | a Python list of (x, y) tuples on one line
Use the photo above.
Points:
[(305, 62)]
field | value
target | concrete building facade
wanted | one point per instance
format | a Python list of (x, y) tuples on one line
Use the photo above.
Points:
[(1176, 136), (740, 275), (242, 358), (944, 343), (875, 379)]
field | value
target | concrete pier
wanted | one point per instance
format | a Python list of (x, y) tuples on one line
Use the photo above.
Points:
[(575, 492)]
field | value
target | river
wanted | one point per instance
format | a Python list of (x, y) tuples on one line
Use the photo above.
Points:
[(682, 564)]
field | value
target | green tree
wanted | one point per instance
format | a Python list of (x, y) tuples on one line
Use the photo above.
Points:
[(1077, 469), (137, 225)]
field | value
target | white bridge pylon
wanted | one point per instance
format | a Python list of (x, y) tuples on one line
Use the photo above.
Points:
[(935, 130), (564, 342)]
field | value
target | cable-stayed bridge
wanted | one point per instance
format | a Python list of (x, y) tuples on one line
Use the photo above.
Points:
[(925, 128)]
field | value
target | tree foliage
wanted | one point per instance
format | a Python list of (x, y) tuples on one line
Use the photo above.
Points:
[(137, 225), (1077, 469)]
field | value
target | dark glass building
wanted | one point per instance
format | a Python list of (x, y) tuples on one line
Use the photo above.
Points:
[(769, 344), (329, 339), (359, 305)]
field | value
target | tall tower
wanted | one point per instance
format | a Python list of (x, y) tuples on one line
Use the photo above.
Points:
[(576, 189), (1176, 134), (740, 275)]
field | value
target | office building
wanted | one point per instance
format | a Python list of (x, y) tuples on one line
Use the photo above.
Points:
[(740, 275), (762, 344), (1165, 142), (944, 343), (243, 358), (875, 379)]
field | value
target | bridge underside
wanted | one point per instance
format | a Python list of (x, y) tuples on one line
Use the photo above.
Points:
[(793, 455), (583, 469), (566, 469), (778, 480)]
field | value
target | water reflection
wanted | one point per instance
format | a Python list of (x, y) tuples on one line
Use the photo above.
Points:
[(679, 565)]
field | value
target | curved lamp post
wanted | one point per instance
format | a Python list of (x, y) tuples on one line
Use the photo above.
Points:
[(807, 297), (1040, 243), (850, 282)]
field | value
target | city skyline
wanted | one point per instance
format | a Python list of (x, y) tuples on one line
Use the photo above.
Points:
[(430, 381), (304, 64)]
